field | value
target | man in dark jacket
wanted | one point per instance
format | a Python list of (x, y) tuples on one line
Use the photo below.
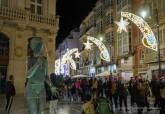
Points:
[(10, 93)]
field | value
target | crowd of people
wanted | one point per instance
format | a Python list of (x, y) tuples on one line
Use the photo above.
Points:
[(116, 90), (102, 94)]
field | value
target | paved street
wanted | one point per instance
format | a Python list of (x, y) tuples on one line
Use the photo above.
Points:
[(19, 107)]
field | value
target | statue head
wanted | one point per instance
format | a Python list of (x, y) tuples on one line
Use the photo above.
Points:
[(36, 45)]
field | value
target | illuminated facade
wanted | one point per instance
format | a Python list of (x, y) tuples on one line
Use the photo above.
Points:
[(151, 57), (70, 42), (21, 20), (124, 41), (99, 24)]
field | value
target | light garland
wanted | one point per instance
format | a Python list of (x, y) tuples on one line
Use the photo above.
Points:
[(67, 58), (149, 39), (104, 52)]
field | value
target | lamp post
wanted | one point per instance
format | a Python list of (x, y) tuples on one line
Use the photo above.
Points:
[(157, 26), (143, 13)]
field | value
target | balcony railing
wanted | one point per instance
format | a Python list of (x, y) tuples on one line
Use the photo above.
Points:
[(22, 15)]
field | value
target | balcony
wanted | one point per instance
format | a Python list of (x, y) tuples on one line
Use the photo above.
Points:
[(150, 57), (19, 15)]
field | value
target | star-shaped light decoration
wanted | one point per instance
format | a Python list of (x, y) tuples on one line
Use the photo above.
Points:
[(77, 55), (122, 25), (88, 45)]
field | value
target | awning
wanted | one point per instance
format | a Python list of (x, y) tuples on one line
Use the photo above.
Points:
[(79, 76), (105, 73)]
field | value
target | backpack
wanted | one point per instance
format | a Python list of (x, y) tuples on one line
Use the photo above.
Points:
[(104, 107)]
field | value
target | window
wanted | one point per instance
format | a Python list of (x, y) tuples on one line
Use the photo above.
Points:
[(3, 3), (161, 36), (99, 11), (142, 56), (99, 26), (36, 7), (108, 20), (107, 3), (109, 37), (123, 43), (121, 4)]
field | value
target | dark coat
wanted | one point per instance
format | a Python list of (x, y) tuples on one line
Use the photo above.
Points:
[(10, 89)]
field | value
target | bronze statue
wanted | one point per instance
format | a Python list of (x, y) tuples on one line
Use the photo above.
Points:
[(37, 71)]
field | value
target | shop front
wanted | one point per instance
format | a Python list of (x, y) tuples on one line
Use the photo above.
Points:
[(126, 68)]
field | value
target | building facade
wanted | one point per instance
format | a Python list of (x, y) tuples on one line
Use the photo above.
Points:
[(151, 57), (20, 20), (127, 52), (70, 42), (99, 24)]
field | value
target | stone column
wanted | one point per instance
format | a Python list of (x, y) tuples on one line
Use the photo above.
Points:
[(17, 62), (50, 43)]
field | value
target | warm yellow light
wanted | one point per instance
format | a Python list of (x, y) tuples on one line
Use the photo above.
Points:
[(88, 45), (149, 39), (122, 24), (104, 54)]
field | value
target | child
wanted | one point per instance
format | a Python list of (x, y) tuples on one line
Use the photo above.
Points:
[(88, 107)]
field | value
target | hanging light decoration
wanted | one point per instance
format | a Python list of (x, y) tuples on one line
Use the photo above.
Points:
[(149, 39), (104, 54)]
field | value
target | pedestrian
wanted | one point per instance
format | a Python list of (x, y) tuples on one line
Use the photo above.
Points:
[(108, 89), (162, 96), (88, 106), (100, 88), (131, 89), (140, 96), (78, 87), (94, 88), (122, 89), (147, 93), (10, 93), (115, 93), (54, 100), (104, 106), (155, 87)]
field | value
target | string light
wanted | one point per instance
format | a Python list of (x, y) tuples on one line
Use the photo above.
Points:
[(122, 24), (104, 54), (149, 39), (88, 45), (77, 55)]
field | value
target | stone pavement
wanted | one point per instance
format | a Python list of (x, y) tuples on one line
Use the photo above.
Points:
[(19, 107)]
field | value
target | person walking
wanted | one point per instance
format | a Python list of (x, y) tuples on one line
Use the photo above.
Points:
[(10, 93), (100, 88), (162, 95), (115, 93), (140, 96), (123, 93), (155, 87), (94, 88), (108, 89), (88, 106)]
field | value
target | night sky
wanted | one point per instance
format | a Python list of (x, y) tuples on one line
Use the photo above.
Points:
[(71, 13)]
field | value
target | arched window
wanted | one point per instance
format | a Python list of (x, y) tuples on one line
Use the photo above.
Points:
[(36, 7)]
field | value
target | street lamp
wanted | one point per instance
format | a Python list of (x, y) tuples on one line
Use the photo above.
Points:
[(101, 38), (144, 13)]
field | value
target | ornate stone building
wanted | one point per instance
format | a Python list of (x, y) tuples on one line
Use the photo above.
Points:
[(21, 20)]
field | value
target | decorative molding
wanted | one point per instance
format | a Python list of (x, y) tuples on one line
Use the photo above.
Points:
[(18, 51)]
